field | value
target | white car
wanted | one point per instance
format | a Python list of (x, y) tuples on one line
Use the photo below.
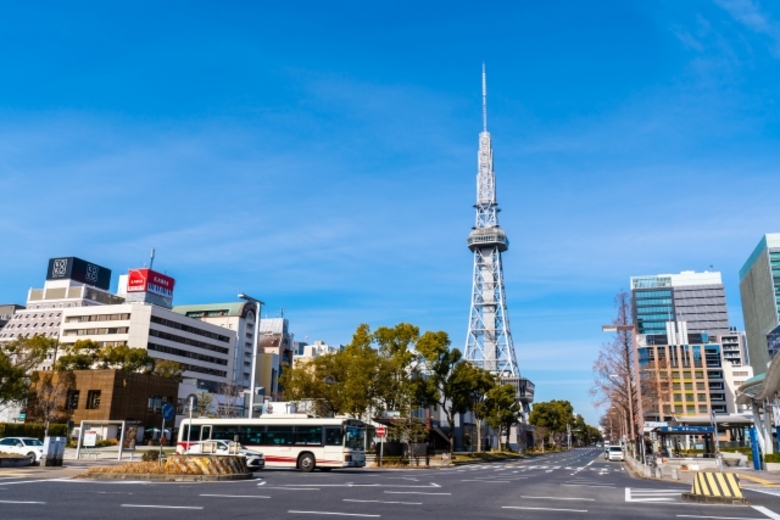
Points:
[(28, 446), (615, 453), (254, 459)]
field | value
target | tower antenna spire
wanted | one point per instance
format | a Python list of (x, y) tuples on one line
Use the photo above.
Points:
[(489, 343), (484, 99)]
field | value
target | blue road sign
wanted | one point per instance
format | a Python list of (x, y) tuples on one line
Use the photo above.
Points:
[(168, 412)]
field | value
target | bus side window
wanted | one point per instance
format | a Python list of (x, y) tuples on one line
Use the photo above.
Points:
[(251, 435), (333, 437), (195, 436), (308, 435), (205, 433), (279, 436)]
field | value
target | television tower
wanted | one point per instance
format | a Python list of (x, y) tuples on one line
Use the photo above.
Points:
[(489, 339)]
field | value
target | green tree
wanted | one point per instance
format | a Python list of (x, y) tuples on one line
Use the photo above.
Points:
[(554, 416), (502, 409), (343, 382), (168, 369), (18, 359), (86, 354), (81, 355), (126, 358), (480, 405), (448, 380)]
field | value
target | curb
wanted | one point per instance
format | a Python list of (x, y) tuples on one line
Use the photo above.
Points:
[(8, 462), (706, 499)]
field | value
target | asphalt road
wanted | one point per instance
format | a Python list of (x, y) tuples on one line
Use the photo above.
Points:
[(577, 484)]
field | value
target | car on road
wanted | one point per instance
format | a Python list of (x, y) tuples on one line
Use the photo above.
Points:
[(29, 447), (254, 459), (615, 453)]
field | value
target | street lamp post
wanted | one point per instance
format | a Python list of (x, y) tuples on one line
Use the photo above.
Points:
[(639, 416), (255, 340)]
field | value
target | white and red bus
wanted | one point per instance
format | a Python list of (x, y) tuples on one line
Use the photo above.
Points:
[(286, 441)]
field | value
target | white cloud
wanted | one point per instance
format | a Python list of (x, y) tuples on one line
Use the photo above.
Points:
[(749, 14)]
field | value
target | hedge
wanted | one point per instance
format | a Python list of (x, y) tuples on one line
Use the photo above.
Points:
[(772, 457), (32, 430)]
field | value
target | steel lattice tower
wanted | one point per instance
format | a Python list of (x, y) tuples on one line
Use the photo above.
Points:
[(489, 339)]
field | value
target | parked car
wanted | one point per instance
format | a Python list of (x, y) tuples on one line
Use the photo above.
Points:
[(615, 453), (28, 446), (254, 459)]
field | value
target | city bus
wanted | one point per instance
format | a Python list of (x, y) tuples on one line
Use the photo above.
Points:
[(286, 441)]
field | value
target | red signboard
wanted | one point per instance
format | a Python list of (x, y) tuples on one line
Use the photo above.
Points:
[(146, 280), (381, 431)]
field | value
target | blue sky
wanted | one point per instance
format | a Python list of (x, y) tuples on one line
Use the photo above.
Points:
[(322, 156)]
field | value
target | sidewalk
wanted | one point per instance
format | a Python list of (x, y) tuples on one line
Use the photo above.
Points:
[(749, 476)]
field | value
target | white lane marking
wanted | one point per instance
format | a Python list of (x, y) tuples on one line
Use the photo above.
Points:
[(587, 485), (262, 483), (414, 493), (488, 481), (331, 513), (19, 502), (232, 496), (769, 513), (545, 509), (384, 502), (652, 495), (720, 517), (292, 488), (33, 481), (152, 506), (558, 498)]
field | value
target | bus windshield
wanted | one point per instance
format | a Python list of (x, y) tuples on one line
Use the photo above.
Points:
[(355, 438)]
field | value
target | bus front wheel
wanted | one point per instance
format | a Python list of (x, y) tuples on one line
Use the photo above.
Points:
[(306, 462)]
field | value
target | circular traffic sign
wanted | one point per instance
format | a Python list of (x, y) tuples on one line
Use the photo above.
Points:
[(381, 431), (168, 411)]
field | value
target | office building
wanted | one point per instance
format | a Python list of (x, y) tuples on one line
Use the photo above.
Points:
[(275, 338), (688, 373), (759, 287), (70, 283), (206, 351), (699, 299), (316, 350), (7, 311), (238, 317)]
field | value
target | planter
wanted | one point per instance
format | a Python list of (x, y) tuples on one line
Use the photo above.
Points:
[(772, 466)]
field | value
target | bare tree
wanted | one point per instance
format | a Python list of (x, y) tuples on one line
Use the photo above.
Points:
[(48, 395), (614, 370), (231, 393)]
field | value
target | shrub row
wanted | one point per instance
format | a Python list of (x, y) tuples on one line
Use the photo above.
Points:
[(31, 430)]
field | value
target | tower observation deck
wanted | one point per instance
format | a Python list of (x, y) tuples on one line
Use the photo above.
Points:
[(489, 340)]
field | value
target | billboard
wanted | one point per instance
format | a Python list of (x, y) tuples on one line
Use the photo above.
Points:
[(146, 280), (76, 269)]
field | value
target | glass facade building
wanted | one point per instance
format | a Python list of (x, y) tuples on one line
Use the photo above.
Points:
[(699, 299), (759, 287)]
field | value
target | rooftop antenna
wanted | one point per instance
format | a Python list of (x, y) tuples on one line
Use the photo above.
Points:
[(151, 262), (484, 99)]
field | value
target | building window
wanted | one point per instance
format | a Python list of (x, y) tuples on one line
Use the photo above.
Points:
[(156, 402), (73, 399), (93, 400)]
